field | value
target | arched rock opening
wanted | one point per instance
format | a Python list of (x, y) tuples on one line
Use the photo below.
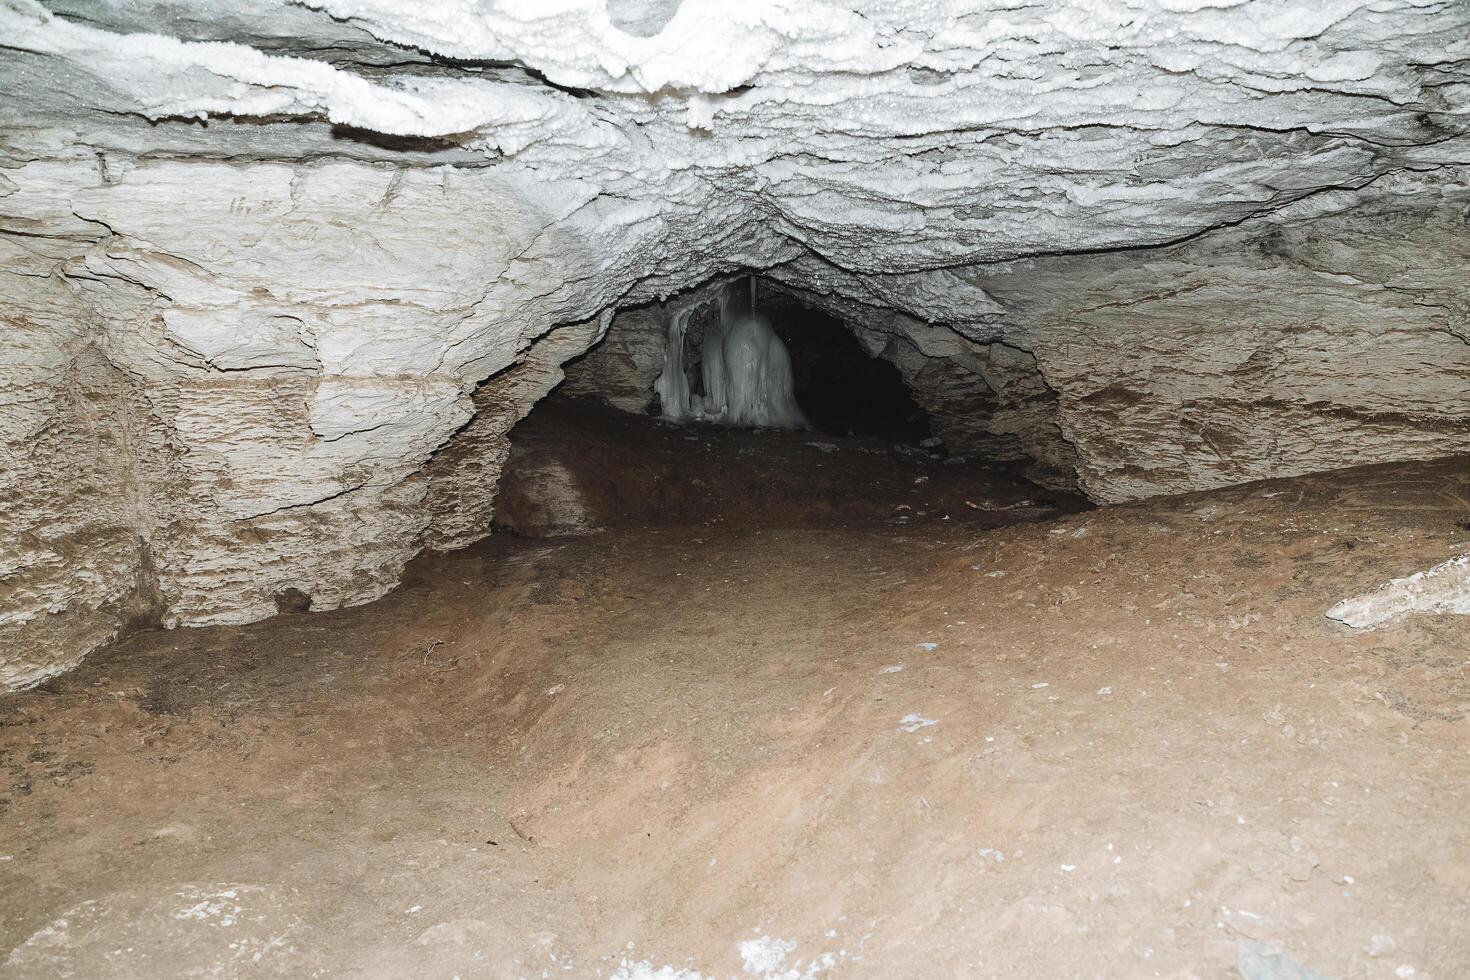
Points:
[(983, 400), (846, 441)]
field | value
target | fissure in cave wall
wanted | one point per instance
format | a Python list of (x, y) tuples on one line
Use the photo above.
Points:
[(273, 302)]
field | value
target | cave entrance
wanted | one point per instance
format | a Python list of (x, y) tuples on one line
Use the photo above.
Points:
[(743, 404)]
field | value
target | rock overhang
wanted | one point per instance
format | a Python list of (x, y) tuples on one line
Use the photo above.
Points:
[(897, 137)]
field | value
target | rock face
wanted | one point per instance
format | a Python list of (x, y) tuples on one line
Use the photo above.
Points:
[(279, 280), (1445, 588), (1331, 334)]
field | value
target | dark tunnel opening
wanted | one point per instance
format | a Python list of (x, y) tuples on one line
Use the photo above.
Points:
[(649, 429), (843, 389)]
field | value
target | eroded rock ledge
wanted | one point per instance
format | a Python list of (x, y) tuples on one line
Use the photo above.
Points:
[(281, 276)]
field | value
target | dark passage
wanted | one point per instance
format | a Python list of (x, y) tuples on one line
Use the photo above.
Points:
[(841, 389)]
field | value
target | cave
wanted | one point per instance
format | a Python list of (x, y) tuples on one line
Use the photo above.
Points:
[(685, 490), (657, 425)]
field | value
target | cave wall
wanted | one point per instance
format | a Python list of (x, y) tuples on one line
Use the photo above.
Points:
[(200, 426), (621, 369), (985, 398), (1329, 333), (987, 401), (1332, 334), (464, 476), (78, 456)]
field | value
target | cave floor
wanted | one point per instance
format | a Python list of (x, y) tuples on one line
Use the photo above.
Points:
[(1121, 742)]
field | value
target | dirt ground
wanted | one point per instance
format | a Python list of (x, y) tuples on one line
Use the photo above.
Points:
[(578, 467), (1110, 743)]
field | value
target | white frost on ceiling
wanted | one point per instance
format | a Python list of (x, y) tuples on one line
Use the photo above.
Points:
[(166, 78), (883, 136)]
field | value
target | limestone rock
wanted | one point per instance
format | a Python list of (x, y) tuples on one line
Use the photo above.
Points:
[(622, 368), (1445, 588), (465, 474)]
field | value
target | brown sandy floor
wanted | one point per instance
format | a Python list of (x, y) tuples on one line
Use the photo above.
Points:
[(639, 750)]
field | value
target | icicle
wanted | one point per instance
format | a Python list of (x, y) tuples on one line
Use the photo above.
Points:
[(712, 368), (745, 367), (758, 383), (672, 386)]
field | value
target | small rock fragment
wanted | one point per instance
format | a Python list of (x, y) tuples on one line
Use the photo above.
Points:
[(1445, 588), (1258, 961), (1380, 944)]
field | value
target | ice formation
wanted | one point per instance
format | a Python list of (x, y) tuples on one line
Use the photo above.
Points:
[(745, 369)]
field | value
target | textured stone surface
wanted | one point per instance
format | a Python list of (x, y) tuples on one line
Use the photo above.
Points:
[(464, 475), (1331, 335), (258, 288), (984, 398), (1445, 588), (622, 368)]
